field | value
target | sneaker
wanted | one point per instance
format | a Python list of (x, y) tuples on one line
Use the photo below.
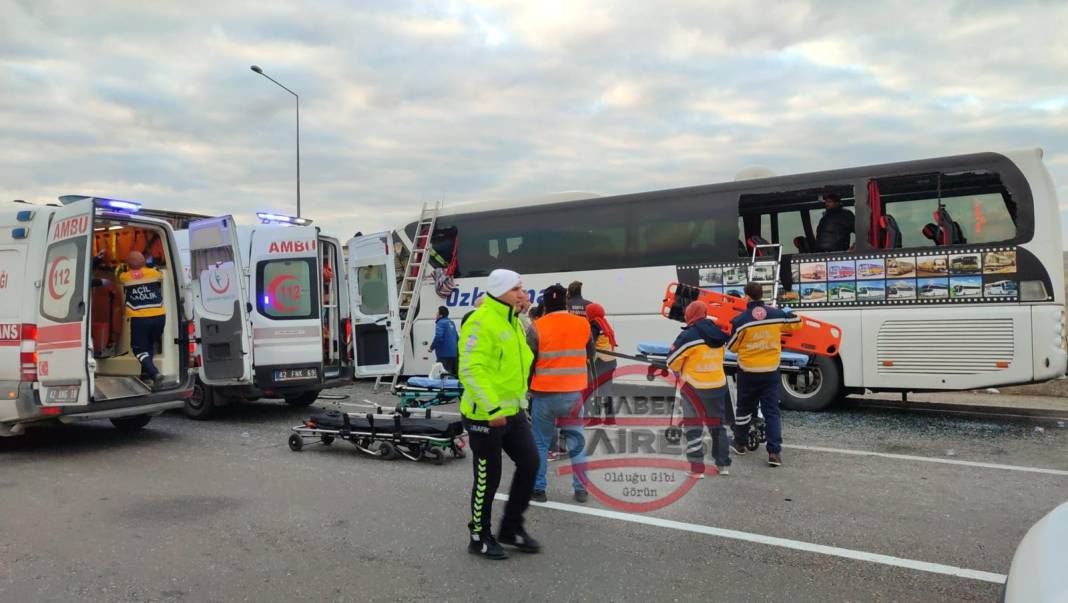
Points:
[(774, 460), (697, 470), (520, 540), (723, 470), (738, 448), (486, 547), (157, 382), (581, 496), (539, 496)]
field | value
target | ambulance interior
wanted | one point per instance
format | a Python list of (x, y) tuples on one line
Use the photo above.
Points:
[(117, 373)]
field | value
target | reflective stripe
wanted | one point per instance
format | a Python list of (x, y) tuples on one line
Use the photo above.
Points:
[(561, 371), (572, 353)]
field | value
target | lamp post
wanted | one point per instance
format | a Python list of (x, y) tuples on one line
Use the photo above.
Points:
[(258, 70)]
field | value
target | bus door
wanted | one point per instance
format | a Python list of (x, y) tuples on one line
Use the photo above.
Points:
[(373, 297), (220, 299), (63, 347)]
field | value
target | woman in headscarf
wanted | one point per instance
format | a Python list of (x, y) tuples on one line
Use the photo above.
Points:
[(604, 338)]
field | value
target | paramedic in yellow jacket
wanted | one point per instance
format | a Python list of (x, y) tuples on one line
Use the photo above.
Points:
[(697, 357), (757, 339), (142, 288)]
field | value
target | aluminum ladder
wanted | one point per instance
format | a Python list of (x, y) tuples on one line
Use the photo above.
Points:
[(415, 271), (766, 257)]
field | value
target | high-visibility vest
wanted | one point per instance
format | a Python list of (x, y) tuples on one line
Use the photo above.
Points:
[(561, 360)]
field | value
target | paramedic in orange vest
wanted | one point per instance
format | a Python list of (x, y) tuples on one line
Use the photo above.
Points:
[(757, 339), (142, 288), (563, 346), (697, 357)]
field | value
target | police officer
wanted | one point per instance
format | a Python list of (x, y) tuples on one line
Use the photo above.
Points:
[(495, 365), (757, 339), (143, 291)]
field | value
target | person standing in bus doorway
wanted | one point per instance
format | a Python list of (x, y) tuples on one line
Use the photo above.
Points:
[(494, 370), (757, 339), (143, 292), (563, 347), (445, 340), (604, 366), (697, 358), (576, 304), (835, 227)]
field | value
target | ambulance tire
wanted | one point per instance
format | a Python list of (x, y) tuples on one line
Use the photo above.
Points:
[(131, 423), (816, 390), (201, 405), (302, 399)]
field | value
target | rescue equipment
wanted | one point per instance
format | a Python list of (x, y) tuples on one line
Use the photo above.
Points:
[(385, 435)]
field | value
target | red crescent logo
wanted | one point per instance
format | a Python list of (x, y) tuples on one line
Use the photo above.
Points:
[(52, 278), (226, 283), (272, 292)]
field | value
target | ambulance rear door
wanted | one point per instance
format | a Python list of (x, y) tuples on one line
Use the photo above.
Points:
[(220, 302), (373, 295), (63, 349), (286, 323)]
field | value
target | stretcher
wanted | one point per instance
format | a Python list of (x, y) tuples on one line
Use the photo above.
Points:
[(385, 435), (814, 336), (424, 392)]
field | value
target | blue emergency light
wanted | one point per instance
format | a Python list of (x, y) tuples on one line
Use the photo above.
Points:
[(268, 218), (113, 204), (24, 216), (20, 233)]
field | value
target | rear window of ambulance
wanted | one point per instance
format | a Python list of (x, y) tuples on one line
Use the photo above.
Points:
[(287, 289)]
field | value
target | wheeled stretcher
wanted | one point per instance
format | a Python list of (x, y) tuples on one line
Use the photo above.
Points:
[(385, 435), (424, 392)]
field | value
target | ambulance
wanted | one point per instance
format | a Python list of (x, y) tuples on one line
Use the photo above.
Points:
[(64, 337), (271, 311)]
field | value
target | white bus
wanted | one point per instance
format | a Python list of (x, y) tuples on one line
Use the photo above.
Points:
[(626, 249)]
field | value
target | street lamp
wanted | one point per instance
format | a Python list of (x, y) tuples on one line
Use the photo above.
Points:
[(257, 69)]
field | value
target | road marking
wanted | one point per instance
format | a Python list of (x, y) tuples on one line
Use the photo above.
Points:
[(786, 543), (929, 459)]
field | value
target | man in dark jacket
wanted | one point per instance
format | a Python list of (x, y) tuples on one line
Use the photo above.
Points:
[(576, 304), (445, 339), (835, 227)]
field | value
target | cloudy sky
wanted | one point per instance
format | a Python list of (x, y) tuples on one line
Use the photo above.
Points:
[(405, 102)]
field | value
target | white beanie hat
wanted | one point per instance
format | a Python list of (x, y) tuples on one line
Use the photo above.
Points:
[(500, 281)]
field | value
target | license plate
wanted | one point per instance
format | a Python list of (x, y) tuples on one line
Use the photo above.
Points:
[(63, 394), (298, 374)]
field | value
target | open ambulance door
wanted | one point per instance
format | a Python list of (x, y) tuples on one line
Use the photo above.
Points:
[(63, 347), (376, 322), (217, 283)]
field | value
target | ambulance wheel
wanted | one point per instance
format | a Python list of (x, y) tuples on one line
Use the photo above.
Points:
[(812, 389), (296, 442), (458, 452), (435, 455), (416, 451), (387, 451), (201, 404), (302, 399), (753, 441), (673, 434), (131, 423), (327, 440)]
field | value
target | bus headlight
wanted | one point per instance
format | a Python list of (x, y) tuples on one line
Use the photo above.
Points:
[(1033, 291)]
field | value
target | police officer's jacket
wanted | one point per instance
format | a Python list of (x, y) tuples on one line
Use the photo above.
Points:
[(494, 362), (697, 355), (756, 336)]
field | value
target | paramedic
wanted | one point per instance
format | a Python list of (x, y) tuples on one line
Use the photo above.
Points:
[(494, 369), (143, 290), (563, 348), (445, 338), (697, 357), (835, 227), (576, 304), (757, 339)]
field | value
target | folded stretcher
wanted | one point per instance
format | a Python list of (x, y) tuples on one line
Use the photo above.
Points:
[(386, 435), (424, 392)]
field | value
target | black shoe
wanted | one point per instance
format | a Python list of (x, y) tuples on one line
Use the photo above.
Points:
[(520, 540), (157, 382), (486, 547), (738, 448), (539, 496), (774, 459), (581, 496)]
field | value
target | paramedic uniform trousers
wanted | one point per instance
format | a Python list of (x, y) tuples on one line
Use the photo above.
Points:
[(706, 408), (517, 441), (146, 333), (762, 389)]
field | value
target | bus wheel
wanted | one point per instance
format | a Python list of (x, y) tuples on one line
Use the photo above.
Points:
[(813, 389), (201, 405), (131, 423), (302, 399)]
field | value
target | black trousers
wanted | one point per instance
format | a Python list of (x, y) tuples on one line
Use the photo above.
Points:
[(516, 440), (451, 365), (146, 334)]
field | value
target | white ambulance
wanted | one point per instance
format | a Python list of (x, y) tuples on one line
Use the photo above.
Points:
[(271, 311), (64, 337)]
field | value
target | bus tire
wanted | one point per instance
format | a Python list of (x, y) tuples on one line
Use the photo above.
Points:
[(814, 390), (303, 398), (131, 423), (200, 405)]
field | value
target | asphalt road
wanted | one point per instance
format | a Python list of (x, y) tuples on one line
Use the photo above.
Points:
[(224, 511)]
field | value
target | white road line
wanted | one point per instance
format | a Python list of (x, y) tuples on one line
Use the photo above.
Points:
[(928, 459), (797, 545)]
